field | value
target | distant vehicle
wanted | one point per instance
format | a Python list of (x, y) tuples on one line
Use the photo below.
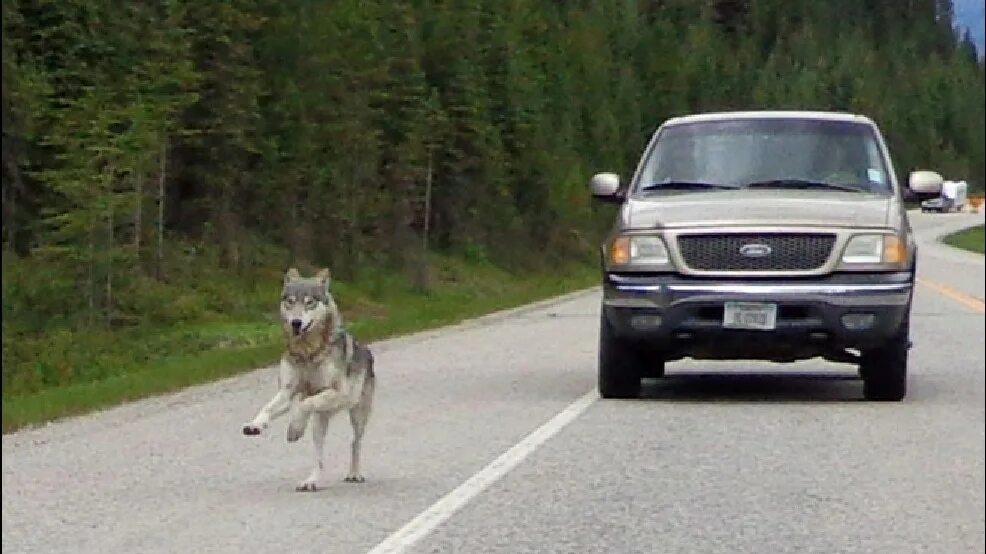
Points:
[(775, 236), (954, 195)]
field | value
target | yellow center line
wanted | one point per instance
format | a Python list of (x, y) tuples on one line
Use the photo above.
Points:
[(960, 297)]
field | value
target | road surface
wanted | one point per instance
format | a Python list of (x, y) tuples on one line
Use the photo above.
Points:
[(488, 437)]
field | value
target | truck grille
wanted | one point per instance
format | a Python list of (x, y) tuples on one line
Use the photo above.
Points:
[(784, 252)]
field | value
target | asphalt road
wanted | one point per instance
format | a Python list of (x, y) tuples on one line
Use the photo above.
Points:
[(719, 457)]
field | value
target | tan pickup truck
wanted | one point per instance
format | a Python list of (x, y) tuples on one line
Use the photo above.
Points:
[(759, 236)]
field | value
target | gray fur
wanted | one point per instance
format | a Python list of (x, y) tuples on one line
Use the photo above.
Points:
[(305, 287)]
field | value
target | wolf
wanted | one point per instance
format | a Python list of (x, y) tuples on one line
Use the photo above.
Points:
[(323, 371)]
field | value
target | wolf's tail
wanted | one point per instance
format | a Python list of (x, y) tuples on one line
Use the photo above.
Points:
[(369, 363), (369, 379), (362, 359)]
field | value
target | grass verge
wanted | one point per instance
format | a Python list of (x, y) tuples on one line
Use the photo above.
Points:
[(973, 239), (375, 309)]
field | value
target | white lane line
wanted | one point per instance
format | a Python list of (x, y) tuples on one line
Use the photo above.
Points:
[(426, 522)]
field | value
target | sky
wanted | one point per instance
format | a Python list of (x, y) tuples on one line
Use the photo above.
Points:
[(971, 14)]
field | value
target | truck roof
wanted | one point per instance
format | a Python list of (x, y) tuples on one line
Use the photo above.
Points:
[(770, 114)]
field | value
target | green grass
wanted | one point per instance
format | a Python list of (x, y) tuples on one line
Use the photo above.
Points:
[(84, 371), (973, 239)]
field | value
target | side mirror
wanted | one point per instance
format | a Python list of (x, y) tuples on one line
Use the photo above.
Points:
[(925, 183), (606, 187)]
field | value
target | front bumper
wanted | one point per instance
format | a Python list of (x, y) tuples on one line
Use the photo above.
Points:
[(683, 317)]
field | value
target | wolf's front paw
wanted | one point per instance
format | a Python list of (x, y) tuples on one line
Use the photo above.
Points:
[(308, 485), (252, 430), (354, 478)]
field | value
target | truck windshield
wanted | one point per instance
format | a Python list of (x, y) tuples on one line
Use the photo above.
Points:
[(777, 153)]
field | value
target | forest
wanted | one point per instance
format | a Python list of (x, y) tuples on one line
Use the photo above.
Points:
[(164, 161)]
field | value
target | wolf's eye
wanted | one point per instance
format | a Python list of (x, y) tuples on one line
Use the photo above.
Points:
[(309, 302), (288, 300)]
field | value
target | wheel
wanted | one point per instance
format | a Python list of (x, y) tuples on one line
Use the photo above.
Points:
[(620, 364), (884, 369), (653, 367)]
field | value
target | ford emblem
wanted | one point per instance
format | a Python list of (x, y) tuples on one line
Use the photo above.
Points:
[(755, 250)]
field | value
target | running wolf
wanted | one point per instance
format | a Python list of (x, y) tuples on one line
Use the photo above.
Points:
[(324, 370)]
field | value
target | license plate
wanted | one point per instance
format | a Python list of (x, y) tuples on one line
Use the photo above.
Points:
[(749, 315)]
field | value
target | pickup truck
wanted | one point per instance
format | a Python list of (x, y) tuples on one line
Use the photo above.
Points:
[(774, 235), (954, 195)]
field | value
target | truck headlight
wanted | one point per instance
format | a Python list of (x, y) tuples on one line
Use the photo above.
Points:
[(875, 249), (638, 250)]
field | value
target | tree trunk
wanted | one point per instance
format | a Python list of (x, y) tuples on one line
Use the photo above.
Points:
[(109, 264), (292, 233), (300, 237), (9, 215), (13, 185), (352, 230), (427, 223), (159, 266), (228, 229), (138, 217), (91, 276)]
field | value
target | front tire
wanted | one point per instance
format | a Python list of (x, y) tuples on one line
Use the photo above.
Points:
[(620, 364), (884, 369)]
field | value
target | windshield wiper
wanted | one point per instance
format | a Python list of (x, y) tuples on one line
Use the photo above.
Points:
[(801, 184), (685, 185)]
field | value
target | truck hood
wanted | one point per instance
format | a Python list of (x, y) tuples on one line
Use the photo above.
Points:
[(757, 207)]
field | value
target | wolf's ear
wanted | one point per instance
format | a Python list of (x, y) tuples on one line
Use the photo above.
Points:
[(291, 275), (323, 277)]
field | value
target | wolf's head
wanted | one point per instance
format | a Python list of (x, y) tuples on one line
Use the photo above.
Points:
[(307, 308)]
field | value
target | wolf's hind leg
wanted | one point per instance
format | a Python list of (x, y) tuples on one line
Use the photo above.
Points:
[(358, 416), (320, 424)]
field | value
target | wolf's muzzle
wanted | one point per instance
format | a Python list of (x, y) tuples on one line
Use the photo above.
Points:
[(296, 326)]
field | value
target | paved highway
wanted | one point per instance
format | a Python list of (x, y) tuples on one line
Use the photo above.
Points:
[(488, 437)]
